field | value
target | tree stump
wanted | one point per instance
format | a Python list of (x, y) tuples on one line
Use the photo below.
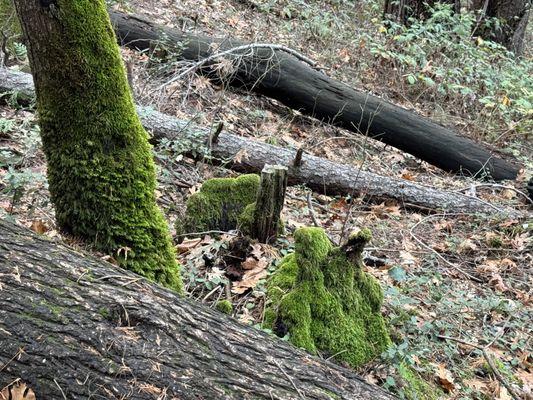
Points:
[(269, 203)]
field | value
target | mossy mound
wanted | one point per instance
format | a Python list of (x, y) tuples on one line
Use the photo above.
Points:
[(219, 204), (416, 388), (323, 299), (224, 306)]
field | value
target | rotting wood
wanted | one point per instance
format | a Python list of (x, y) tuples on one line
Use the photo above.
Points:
[(269, 203), (281, 76), (71, 328), (323, 176)]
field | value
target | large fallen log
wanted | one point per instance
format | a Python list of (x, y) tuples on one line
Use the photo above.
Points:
[(247, 155), (283, 77), (75, 327)]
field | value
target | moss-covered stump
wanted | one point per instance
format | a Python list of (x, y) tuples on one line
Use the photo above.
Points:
[(101, 172), (323, 299), (219, 204)]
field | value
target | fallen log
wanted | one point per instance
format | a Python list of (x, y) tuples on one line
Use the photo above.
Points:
[(282, 76), (324, 176), (75, 327)]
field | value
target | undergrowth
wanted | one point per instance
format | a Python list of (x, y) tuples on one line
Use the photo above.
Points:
[(440, 60)]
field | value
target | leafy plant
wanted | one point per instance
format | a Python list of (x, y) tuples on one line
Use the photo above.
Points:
[(440, 60)]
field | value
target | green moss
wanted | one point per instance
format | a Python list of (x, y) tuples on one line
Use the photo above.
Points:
[(100, 168), (224, 306), (416, 388), (219, 203), (245, 219), (322, 297)]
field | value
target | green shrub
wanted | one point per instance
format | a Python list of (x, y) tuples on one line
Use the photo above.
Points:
[(440, 61)]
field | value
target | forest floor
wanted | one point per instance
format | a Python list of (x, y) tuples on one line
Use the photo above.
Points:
[(457, 286)]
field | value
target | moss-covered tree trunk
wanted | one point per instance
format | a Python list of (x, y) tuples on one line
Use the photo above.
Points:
[(100, 168), (512, 17)]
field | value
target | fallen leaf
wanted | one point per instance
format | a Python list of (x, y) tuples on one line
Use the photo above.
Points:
[(497, 282), (255, 271), (445, 378), (241, 154), (39, 227), (187, 245), (252, 263), (18, 391)]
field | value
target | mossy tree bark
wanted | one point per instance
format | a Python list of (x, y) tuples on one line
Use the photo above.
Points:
[(513, 17), (80, 328), (269, 203), (100, 168)]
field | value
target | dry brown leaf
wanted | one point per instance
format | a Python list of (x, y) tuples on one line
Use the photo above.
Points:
[(467, 246), (383, 211), (497, 282), (408, 175), (39, 227), (255, 271), (187, 245), (241, 154), (18, 391), (445, 378), (408, 258), (253, 263), (257, 251)]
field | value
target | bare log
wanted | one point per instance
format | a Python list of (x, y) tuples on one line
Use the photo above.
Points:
[(269, 203), (75, 327), (282, 76), (323, 176)]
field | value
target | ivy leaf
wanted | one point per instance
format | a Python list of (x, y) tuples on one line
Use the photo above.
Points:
[(398, 274)]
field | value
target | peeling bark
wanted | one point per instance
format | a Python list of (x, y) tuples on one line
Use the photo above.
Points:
[(73, 326)]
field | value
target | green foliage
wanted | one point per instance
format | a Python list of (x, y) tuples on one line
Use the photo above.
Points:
[(100, 168), (219, 203), (10, 29), (440, 61), (324, 299), (19, 179)]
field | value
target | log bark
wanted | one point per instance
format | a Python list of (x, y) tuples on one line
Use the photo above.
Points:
[(269, 203), (323, 176), (281, 76), (75, 327)]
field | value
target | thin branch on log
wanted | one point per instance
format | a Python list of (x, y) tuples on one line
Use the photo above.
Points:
[(237, 51), (93, 338), (319, 174), (281, 76)]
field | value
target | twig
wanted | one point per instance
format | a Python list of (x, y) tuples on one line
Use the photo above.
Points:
[(298, 158), (209, 232), (300, 394), (208, 295), (457, 268), (250, 46), (213, 139), (19, 352), (63, 393), (311, 211)]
